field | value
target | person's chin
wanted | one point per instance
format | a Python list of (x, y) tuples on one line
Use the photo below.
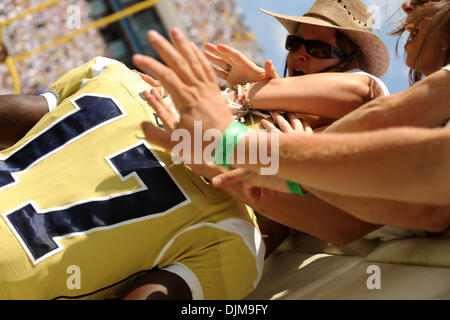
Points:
[(410, 60), (409, 63)]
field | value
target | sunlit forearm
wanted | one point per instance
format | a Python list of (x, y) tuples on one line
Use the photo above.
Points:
[(331, 95), (397, 164)]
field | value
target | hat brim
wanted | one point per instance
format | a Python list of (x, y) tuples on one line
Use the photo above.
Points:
[(375, 54)]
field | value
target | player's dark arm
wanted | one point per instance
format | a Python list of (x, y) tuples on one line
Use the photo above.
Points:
[(18, 114)]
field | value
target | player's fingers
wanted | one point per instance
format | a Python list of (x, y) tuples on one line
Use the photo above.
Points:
[(157, 136), (171, 56), (230, 177), (186, 50), (295, 122), (283, 124)]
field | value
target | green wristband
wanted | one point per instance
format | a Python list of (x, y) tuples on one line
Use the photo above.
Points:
[(294, 188), (230, 138)]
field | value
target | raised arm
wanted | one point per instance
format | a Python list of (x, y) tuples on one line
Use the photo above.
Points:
[(330, 95), (426, 104), (405, 164)]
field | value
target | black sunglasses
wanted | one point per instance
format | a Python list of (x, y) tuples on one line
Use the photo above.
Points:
[(315, 48)]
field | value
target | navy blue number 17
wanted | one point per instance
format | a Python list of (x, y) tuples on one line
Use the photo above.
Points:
[(39, 232)]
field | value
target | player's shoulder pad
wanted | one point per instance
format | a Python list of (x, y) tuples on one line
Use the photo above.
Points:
[(100, 64)]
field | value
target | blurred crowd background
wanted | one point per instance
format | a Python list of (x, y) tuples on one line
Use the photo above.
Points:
[(218, 21), (38, 71), (213, 21)]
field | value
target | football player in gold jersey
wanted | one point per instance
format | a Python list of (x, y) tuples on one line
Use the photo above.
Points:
[(90, 209)]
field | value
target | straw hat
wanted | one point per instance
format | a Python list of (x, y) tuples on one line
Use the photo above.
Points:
[(353, 19)]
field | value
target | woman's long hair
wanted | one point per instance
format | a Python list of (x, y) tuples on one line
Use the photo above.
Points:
[(440, 12)]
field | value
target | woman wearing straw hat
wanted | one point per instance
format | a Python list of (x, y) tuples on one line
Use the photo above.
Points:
[(331, 38)]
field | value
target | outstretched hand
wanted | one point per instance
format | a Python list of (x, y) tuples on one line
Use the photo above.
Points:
[(293, 124), (191, 82), (235, 67), (252, 182)]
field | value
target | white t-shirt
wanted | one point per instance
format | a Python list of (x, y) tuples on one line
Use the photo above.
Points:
[(380, 83)]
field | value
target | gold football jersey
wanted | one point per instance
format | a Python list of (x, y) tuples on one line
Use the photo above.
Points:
[(87, 204)]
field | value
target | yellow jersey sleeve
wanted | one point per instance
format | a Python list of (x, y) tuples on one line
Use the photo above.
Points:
[(75, 79)]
